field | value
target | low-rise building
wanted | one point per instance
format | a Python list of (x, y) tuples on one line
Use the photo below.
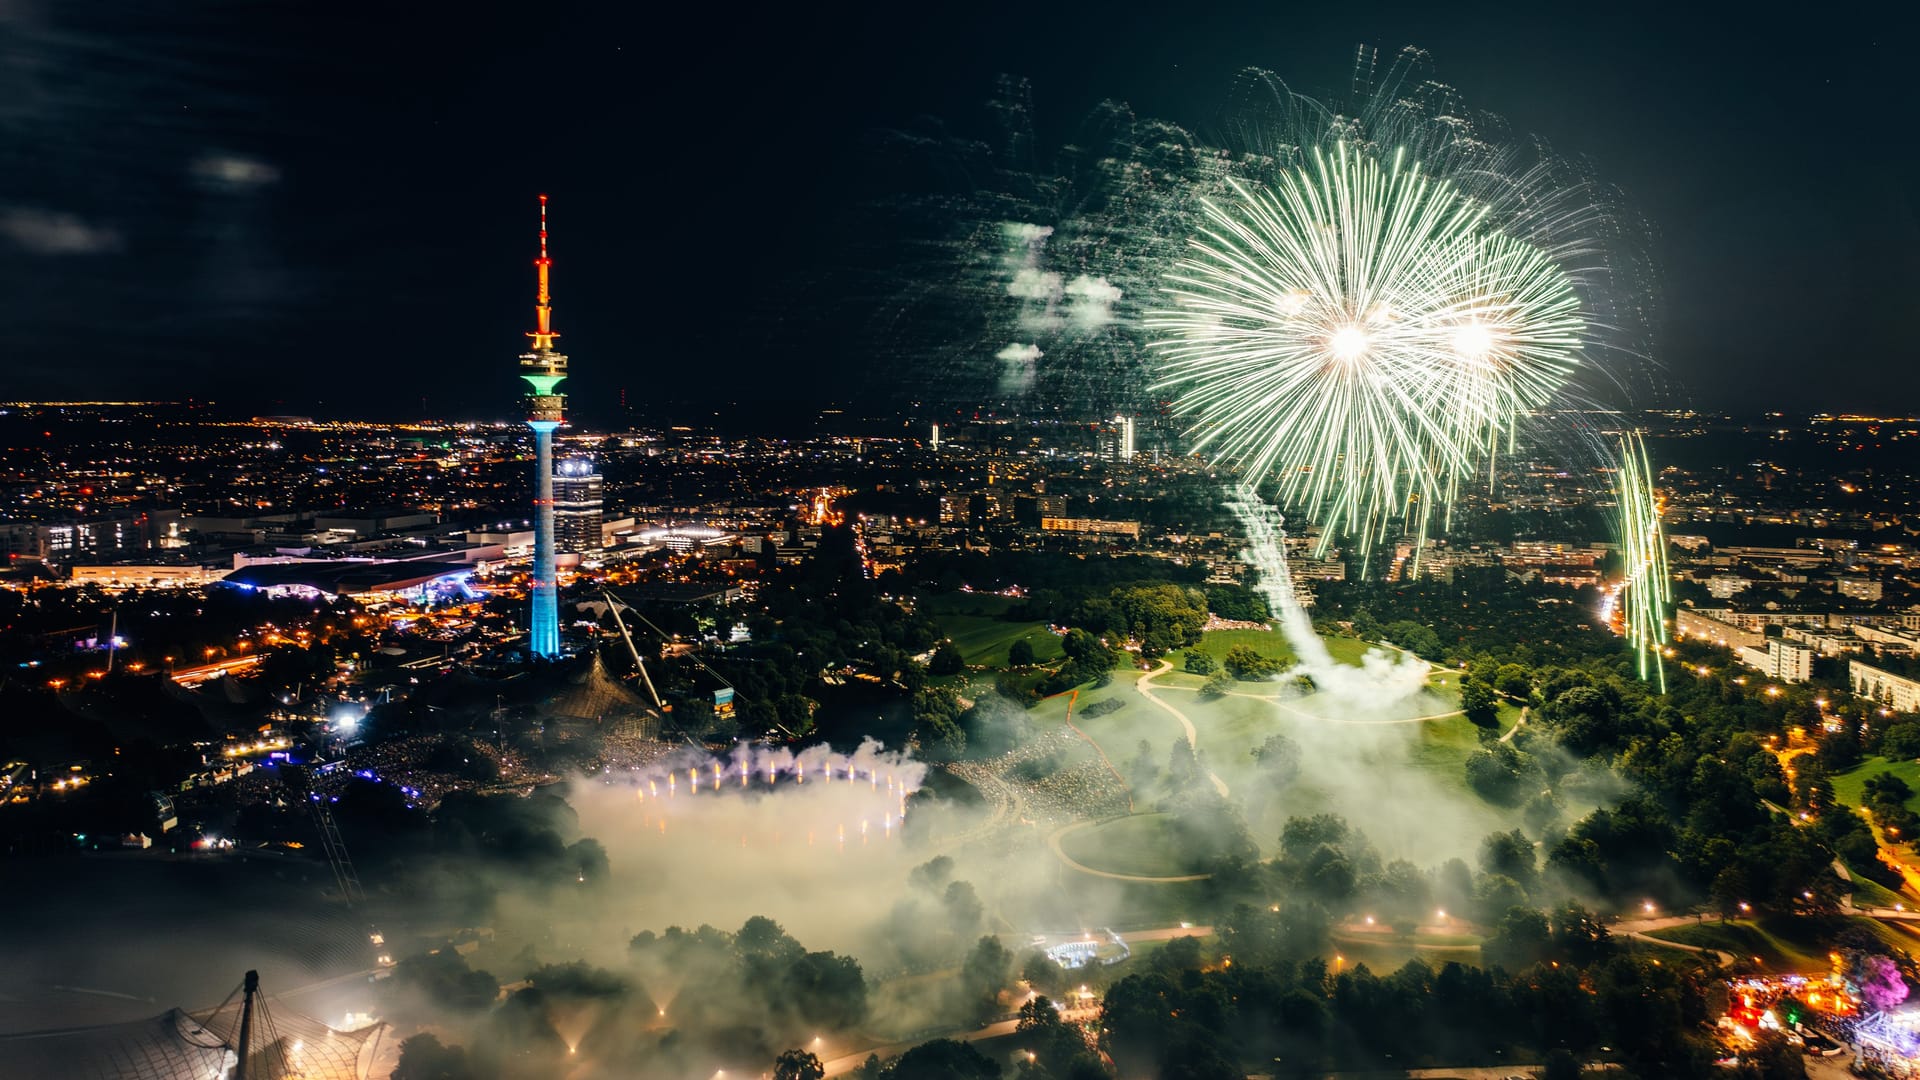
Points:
[(1091, 525), (1901, 693), (1691, 624)]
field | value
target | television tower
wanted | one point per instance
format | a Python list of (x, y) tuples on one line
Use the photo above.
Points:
[(544, 368)]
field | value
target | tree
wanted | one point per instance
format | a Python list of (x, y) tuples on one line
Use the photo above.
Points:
[(1513, 680), (1405, 896), (1901, 742), (422, 1057), (1414, 638), (762, 938), (1218, 684), (946, 659), (1279, 757), (963, 906), (1509, 853), (1494, 895), (1199, 662), (443, 979), (943, 1059), (936, 721), (1038, 1013), (1479, 702), (1500, 773), (1520, 939), (1587, 719), (798, 1065), (1020, 653), (1878, 978), (984, 974), (1248, 664)]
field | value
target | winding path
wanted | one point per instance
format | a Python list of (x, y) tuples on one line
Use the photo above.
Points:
[(1637, 929), (1146, 688)]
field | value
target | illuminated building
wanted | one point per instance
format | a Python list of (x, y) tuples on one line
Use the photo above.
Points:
[(578, 497), (1896, 691), (544, 369)]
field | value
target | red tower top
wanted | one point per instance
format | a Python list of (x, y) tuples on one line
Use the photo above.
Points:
[(543, 334)]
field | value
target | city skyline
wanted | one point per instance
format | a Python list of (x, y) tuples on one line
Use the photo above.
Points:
[(255, 223)]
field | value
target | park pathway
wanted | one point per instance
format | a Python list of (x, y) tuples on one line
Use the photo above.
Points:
[(1146, 688)]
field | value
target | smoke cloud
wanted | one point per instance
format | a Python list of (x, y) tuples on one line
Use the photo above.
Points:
[(51, 232)]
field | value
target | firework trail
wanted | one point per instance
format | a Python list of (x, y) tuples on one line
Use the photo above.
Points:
[(1646, 590)]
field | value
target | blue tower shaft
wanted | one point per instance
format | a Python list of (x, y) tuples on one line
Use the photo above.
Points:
[(544, 640), (544, 368)]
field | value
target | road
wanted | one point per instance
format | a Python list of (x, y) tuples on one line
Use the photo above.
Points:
[(1517, 724), (1637, 929), (846, 1063), (1146, 688)]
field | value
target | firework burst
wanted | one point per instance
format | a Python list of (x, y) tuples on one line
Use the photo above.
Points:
[(1363, 333)]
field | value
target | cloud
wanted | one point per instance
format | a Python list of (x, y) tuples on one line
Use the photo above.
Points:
[(51, 232), (1093, 300), (233, 171), (1017, 353), (1031, 284)]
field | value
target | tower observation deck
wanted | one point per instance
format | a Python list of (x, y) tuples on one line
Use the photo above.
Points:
[(544, 367)]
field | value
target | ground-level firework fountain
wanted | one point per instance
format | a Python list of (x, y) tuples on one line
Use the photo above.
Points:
[(831, 799)]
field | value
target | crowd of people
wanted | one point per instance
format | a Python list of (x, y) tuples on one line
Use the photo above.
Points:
[(1062, 779)]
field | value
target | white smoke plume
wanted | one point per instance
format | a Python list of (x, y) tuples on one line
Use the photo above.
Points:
[(1092, 301), (1382, 680)]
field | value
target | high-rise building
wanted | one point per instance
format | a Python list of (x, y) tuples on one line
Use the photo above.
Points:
[(578, 498), (544, 368), (1115, 439)]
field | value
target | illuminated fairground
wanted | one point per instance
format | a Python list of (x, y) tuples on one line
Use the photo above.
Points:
[(1794, 1005), (1888, 1044)]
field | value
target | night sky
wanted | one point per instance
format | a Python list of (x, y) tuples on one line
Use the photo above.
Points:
[(329, 208)]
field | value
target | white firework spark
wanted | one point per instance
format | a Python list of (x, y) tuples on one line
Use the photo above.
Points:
[(1362, 332)]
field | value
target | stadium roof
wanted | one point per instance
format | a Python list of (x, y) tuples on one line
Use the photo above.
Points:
[(177, 1045), (345, 577)]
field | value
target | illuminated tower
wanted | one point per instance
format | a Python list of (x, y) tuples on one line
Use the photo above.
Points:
[(544, 368)]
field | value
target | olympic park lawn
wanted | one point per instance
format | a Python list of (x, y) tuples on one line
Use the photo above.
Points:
[(1228, 729), (974, 623), (1148, 845), (1850, 787)]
